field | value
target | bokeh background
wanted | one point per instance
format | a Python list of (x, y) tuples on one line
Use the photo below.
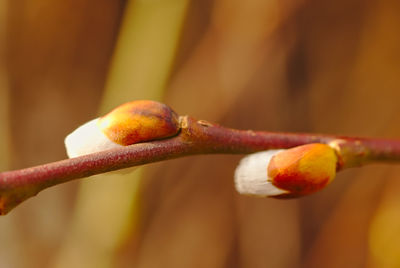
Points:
[(303, 65)]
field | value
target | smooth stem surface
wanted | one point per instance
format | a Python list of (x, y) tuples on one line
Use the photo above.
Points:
[(195, 137)]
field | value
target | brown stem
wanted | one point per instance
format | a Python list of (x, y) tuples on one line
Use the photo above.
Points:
[(195, 137)]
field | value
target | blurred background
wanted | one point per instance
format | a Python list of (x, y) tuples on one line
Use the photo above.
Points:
[(303, 66)]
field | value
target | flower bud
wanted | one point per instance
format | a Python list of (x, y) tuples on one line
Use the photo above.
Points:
[(129, 123), (287, 173)]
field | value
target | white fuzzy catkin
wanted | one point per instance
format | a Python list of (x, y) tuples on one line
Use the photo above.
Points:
[(88, 139), (251, 175)]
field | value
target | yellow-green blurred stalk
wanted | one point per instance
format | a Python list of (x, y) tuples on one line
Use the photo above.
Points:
[(107, 208), (4, 97)]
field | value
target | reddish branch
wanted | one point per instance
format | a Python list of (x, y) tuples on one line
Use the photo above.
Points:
[(195, 137)]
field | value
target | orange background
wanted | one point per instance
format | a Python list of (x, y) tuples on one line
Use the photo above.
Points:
[(309, 66)]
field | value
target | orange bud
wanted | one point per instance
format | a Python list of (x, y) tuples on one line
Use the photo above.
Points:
[(303, 170), (132, 122), (286, 173), (139, 121)]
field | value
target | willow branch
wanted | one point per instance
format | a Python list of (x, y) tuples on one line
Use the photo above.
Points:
[(194, 137)]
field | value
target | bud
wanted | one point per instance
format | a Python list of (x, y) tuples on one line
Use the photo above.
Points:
[(287, 173), (129, 123)]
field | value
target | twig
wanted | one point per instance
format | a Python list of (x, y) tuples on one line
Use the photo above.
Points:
[(194, 137)]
